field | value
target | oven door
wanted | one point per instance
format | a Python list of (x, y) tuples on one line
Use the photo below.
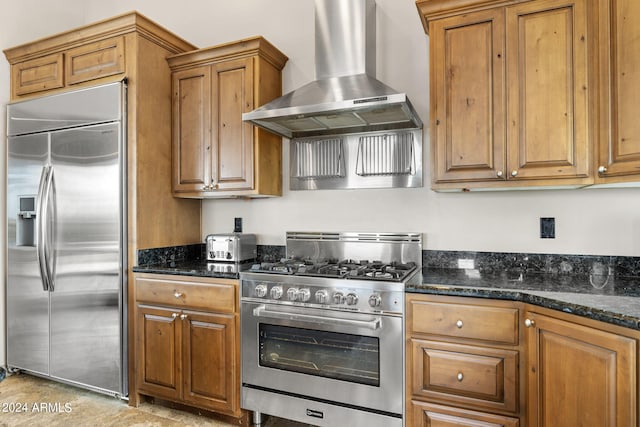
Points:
[(351, 359)]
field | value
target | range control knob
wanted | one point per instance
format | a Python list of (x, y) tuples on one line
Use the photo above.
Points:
[(304, 295), (375, 300), (338, 297), (276, 292), (352, 299), (261, 290), (292, 294), (322, 297)]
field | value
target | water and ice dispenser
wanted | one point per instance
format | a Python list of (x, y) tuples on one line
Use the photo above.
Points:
[(26, 221)]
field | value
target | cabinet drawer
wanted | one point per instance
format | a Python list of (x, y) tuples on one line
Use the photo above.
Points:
[(212, 296), (95, 60), (38, 74), (427, 414), (486, 378), (491, 324)]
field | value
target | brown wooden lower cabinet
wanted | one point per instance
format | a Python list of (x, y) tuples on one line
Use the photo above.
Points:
[(578, 374), (430, 415), (185, 355), (562, 370)]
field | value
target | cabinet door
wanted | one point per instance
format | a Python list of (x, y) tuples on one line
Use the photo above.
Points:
[(232, 93), (158, 336), (37, 75), (579, 376), (620, 56), (467, 81), (548, 113), (191, 129), (210, 354), (95, 60), (429, 415)]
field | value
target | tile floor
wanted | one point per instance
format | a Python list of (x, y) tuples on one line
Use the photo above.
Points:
[(28, 401)]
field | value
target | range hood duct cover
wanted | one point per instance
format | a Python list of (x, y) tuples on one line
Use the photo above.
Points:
[(345, 97)]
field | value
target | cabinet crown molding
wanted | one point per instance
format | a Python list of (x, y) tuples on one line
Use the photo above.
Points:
[(433, 9), (251, 46), (119, 25)]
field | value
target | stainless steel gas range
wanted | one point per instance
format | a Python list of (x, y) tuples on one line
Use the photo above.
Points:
[(322, 330)]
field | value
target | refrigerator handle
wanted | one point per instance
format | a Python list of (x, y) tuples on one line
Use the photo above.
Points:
[(41, 212), (49, 250)]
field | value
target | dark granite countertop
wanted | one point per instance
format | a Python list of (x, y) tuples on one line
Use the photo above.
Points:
[(197, 267), (609, 299)]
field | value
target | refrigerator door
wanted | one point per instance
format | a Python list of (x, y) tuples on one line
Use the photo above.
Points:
[(27, 298), (86, 305)]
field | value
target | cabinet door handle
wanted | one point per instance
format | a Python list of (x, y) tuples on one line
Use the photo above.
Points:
[(460, 377), (459, 324), (602, 170), (499, 174), (514, 173), (529, 323), (174, 315), (183, 316)]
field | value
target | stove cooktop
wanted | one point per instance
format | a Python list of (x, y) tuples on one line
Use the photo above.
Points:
[(341, 269)]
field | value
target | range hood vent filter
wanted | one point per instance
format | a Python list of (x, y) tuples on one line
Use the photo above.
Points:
[(389, 159), (315, 159), (388, 154)]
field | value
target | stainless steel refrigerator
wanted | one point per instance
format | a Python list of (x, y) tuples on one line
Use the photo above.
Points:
[(66, 237)]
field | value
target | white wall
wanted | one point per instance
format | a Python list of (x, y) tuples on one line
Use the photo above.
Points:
[(597, 222)]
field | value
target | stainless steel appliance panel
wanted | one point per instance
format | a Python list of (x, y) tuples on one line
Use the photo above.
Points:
[(85, 302), (386, 330), (66, 287), (98, 104), (28, 303)]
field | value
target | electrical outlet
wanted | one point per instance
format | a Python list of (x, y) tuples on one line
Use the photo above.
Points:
[(466, 264), (547, 228), (237, 225)]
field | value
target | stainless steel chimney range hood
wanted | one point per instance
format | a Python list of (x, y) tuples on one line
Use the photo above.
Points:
[(346, 97)]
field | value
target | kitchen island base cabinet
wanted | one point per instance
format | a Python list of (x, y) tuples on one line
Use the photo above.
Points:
[(187, 342), (579, 375)]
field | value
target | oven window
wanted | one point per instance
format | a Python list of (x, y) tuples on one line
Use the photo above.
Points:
[(345, 357)]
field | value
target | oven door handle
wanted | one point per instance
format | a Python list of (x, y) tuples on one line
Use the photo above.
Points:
[(263, 311)]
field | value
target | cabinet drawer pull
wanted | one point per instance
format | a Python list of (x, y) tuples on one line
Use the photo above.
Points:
[(459, 324), (460, 376), (529, 323), (177, 294)]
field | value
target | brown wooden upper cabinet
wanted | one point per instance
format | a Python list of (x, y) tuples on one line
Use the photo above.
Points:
[(510, 92), (618, 156), (79, 61), (216, 154)]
